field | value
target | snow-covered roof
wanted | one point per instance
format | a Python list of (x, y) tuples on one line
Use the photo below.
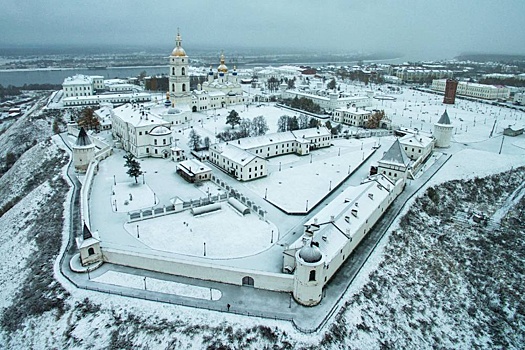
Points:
[(193, 167), (249, 143), (311, 133), (337, 223), (416, 140), (137, 116), (160, 130), (395, 155), (78, 80), (354, 111), (236, 154)]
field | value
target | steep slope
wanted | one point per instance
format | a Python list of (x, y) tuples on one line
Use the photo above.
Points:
[(445, 280)]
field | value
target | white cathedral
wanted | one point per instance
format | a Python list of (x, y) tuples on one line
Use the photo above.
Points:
[(221, 89)]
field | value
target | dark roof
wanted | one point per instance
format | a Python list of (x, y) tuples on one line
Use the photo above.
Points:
[(83, 138), (445, 120), (310, 253), (396, 154), (86, 233)]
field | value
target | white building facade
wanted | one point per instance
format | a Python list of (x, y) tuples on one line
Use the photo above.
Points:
[(141, 132), (486, 92), (245, 159)]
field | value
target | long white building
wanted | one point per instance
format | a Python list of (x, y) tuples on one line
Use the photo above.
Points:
[(486, 92), (331, 102), (245, 159)]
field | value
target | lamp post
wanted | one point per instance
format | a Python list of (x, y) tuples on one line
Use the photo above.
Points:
[(271, 242), (330, 187), (138, 235), (114, 180), (89, 276), (265, 192), (307, 205), (145, 287), (204, 248), (143, 181)]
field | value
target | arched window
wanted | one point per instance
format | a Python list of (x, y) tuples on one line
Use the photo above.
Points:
[(183, 71), (312, 276), (91, 251), (172, 70), (183, 87), (247, 281)]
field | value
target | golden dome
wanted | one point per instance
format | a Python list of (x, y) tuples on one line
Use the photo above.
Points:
[(222, 67), (178, 51)]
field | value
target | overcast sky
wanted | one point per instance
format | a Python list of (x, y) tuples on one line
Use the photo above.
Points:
[(433, 28)]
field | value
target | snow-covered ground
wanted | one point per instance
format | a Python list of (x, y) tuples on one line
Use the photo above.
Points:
[(415, 292), (222, 234), (156, 285)]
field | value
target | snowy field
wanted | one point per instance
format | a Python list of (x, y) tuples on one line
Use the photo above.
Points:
[(131, 196), (156, 285), (296, 184), (224, 233)]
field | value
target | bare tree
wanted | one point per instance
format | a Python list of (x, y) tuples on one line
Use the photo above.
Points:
[(259, 126), (194, 140)]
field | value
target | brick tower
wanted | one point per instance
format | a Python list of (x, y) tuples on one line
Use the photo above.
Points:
[(450, 91)]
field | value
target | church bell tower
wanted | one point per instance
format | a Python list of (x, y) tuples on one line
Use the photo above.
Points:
[(179, 81)]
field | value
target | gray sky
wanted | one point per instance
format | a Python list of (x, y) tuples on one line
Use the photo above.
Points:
[(422, 28)]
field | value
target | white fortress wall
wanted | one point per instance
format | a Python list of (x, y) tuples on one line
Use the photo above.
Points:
[(210, 272)]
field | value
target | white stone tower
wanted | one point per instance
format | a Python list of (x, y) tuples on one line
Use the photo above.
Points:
[(443, 131), (179, 81), (83, 151), (309, 273), (89, 246)]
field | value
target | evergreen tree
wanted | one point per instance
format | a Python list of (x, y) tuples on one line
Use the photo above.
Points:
[(233, 118), (206, 142), (331, 84), (133, 166)]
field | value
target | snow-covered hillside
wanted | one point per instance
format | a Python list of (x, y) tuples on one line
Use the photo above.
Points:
[(438, 280)]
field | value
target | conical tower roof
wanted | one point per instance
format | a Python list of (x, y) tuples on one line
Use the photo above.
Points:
[(83, 138), (444, 120), (396, 155), (86, 233)]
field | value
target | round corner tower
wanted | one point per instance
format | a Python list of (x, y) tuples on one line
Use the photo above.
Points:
[(83, 151), (309, 275), (443, 131)]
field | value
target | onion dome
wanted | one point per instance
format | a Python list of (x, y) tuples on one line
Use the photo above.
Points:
[(160, 130), (222, 67), (310, 254), (178, 51)]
